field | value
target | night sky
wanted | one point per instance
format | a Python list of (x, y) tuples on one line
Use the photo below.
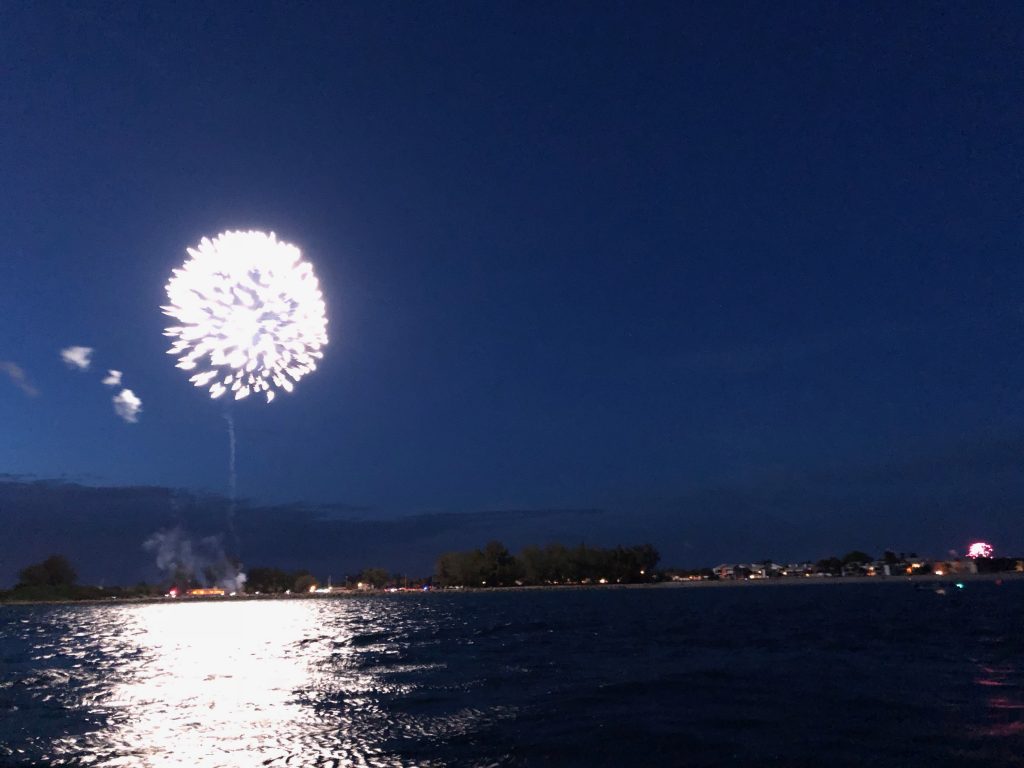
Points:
[(743, 280)]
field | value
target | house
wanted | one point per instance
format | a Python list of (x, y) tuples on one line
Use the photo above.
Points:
[(730, 571), (725, 571)]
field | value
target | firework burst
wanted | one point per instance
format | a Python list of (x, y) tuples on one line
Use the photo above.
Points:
[(250, 313), (980, 549)]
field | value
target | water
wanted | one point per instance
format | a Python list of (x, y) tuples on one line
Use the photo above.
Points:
[(837, 675)]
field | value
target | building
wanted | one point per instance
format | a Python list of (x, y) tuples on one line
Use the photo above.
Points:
[(206, 592)]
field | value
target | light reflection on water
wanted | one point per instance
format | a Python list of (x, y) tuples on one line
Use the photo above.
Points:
[(208, 675), (232, 684)]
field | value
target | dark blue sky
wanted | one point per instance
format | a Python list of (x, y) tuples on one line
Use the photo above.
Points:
[(582, 255)]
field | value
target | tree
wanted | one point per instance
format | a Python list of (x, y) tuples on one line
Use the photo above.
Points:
[(184, 578), (376, 577), (494, 566), (54, 571), (647, 557), (445, 572), (535, 565), (269, 580), (830, 565), (856, 556), (303, 581), (465, 569), (500, 568)]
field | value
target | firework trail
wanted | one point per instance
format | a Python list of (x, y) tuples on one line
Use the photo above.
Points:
[(232, 481)]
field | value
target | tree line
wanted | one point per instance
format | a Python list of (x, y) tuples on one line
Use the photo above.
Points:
[(495, 566), (54, 578), (268, 580)]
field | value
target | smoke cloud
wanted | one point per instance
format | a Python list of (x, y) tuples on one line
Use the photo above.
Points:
[(127, 405), (17, 375), (189, 563), (77, 357)]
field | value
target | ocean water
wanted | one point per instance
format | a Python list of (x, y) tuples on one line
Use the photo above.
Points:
[(833, 675)]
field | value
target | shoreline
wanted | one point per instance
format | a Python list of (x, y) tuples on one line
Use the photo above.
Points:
[(689, 584), (786, 581), (930, 578)]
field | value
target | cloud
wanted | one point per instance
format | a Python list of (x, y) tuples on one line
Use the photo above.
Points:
[(77, 357), (103, 531), (18, 377), (127, 405), (947, 495), (113, 379)]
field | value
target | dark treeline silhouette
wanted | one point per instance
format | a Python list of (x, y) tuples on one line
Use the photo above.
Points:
[(275, 580), (271, 581), (378, 578), (997, 564), (56, 579), (855, 560), (495, 566), (54, 571)]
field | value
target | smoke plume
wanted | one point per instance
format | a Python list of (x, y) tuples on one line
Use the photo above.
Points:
[(186, 562), (77, 357), (18, 377), (127, 405)]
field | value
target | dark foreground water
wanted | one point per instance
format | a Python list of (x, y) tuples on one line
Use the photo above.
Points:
[(830, 675)]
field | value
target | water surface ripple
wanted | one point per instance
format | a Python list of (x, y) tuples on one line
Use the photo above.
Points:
[(841, 675)]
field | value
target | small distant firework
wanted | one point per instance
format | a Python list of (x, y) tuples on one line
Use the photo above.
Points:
[(980, 549), (251, 313)]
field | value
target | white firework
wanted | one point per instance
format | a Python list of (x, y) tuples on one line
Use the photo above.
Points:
[(251, 315)]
